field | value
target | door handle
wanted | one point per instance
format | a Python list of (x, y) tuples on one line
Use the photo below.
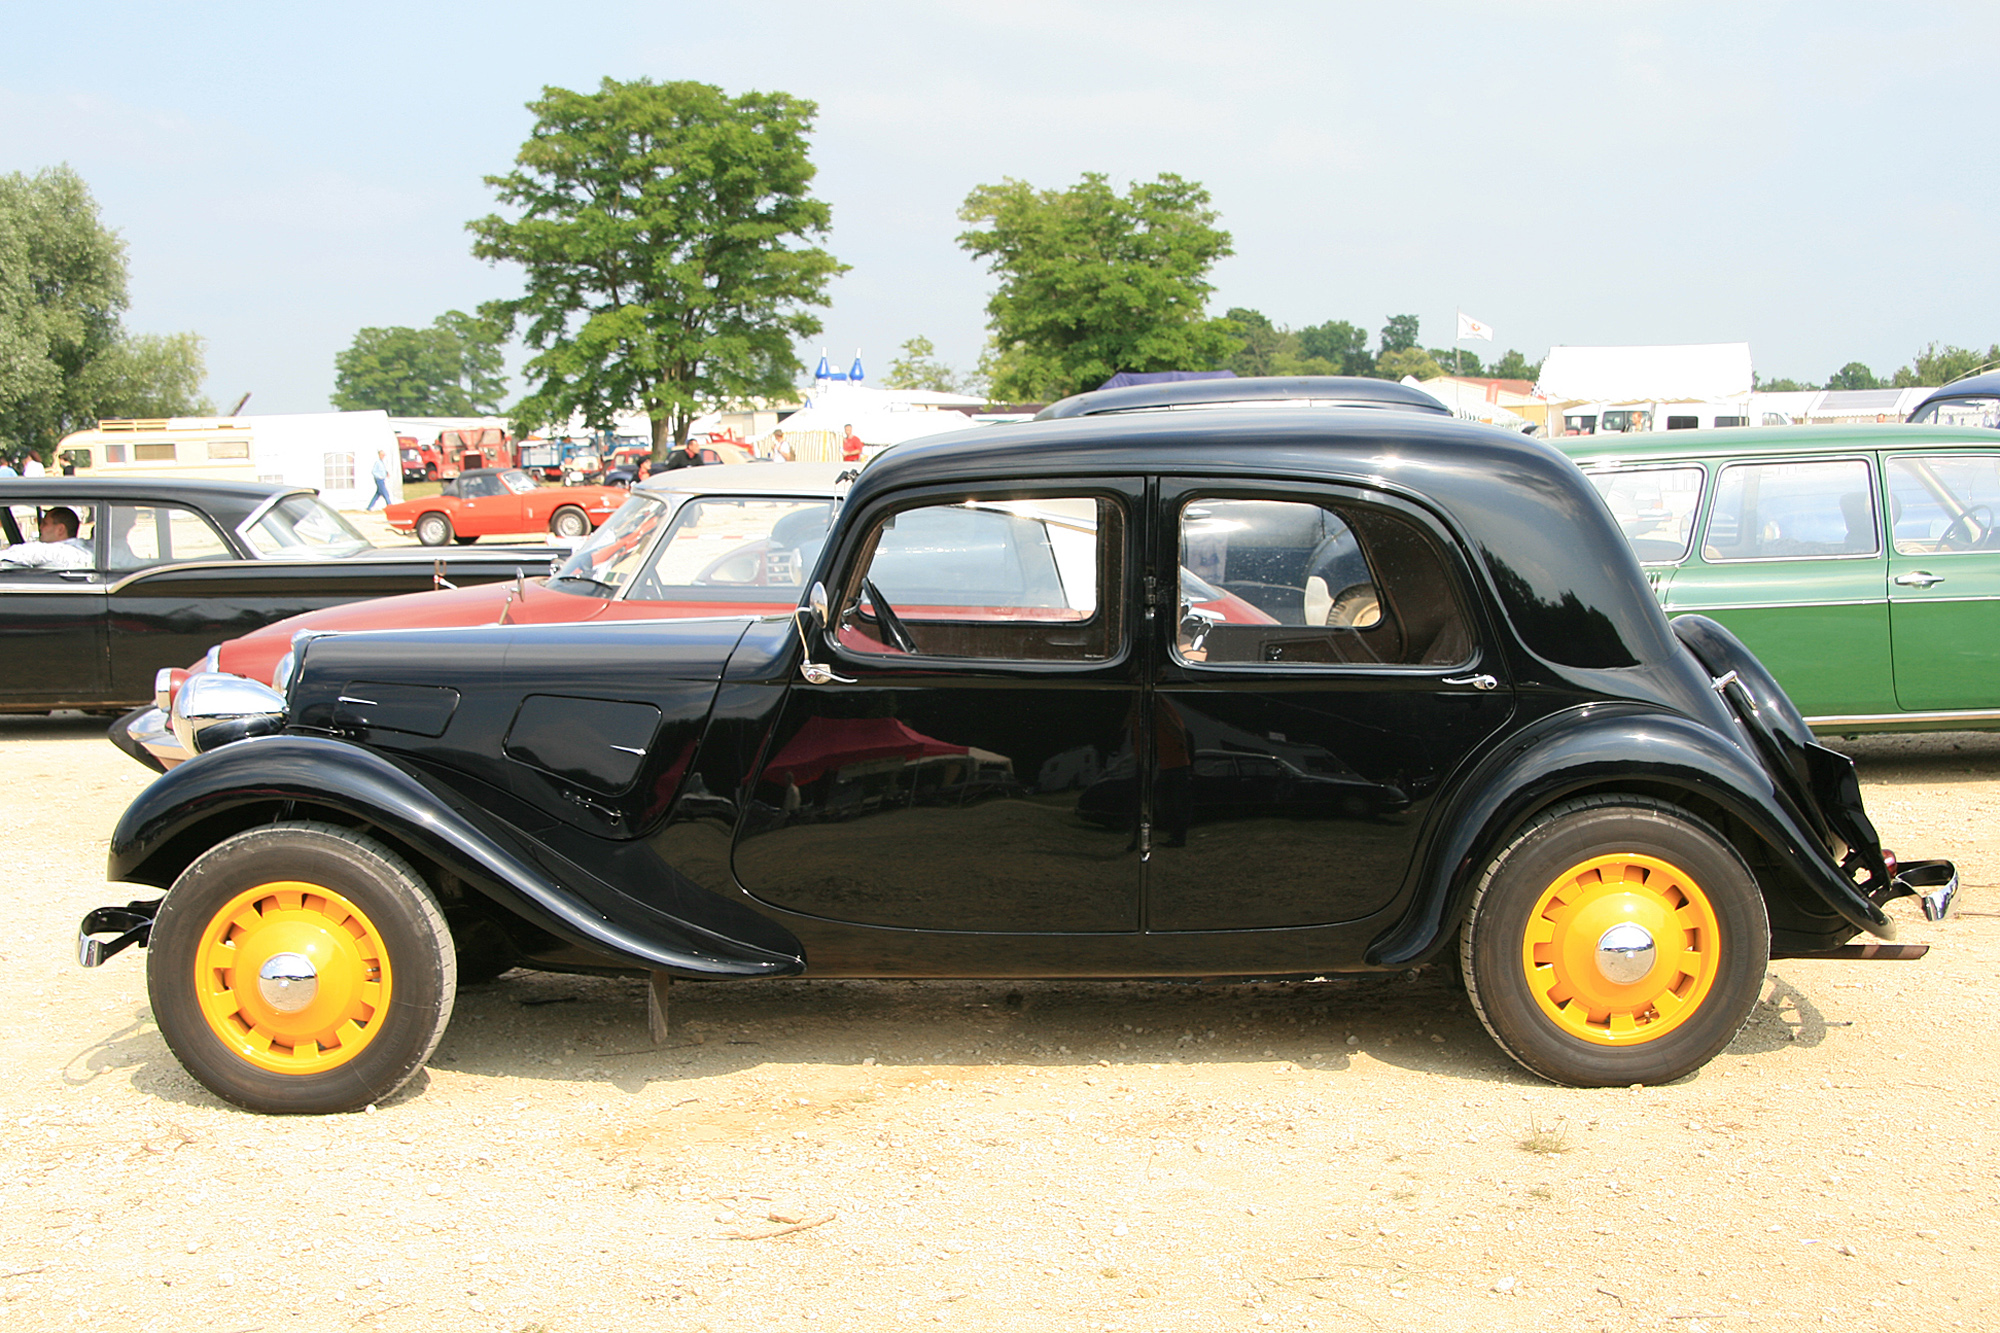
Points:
[(1918, 578), (1482, 681)]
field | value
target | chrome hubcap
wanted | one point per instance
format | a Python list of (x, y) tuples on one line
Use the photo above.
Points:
[(288, 982), (1625, 953)]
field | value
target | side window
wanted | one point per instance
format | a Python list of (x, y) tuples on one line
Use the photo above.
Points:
[(143, 535), (478, 488), (1655, 508), (1791, 511), (22, 524), (1287, 581), (1944, 504), (744, 544), (1025, 580)]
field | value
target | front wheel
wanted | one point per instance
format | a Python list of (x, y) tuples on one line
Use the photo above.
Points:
[(1616, 940), (301, 967), (434, 529), (569, 521)]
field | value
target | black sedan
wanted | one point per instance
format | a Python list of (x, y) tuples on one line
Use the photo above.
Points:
[(153, 572), (992, 743)]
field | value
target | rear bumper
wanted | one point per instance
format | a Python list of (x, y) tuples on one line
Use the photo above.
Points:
[(1934, 884)]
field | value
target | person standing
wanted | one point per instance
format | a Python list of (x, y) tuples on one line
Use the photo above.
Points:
[(7, 468), (381, 474), (850, 445), (31, 465), (781, 448)]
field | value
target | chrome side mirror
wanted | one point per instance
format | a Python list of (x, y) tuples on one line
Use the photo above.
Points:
[(815, 673)]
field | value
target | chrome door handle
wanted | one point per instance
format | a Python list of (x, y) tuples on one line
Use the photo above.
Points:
[(1918, 578), (1482, 681)]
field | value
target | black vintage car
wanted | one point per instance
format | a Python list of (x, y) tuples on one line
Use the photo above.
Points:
[(166, 569), (993, 743)]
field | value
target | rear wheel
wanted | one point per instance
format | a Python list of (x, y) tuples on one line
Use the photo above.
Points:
[(301, 967), (1616, 940), (569, 521), (433, 529)]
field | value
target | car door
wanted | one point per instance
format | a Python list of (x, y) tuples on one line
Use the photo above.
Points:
[(168, 618), (1792, 561), (1944, 579), (1296, 751), (484, 506), (985, 680), (52, 621)]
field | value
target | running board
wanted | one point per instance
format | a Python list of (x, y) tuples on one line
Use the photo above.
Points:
[(1888, 953)]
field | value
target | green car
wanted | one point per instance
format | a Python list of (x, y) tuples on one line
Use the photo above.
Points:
[(1780, 535)]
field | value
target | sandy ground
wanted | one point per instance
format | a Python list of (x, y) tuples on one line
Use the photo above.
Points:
[(801, 1155)]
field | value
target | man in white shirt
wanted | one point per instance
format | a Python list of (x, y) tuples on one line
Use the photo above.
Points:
[(59, 548)]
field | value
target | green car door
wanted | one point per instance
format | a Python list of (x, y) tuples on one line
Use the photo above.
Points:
[(1791, 559), (1944, 580)]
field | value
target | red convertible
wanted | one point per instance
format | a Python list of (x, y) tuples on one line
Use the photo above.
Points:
[(494, 502)]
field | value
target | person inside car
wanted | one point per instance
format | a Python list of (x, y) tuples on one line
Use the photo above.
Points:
[(59, 548), (688, 455)]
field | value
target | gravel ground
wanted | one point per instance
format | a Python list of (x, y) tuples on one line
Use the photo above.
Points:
[(1040, 1156)]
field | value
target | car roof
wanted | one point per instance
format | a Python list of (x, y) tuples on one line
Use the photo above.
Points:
[(1970, 386), (1765, 442), (1269, 390), (750, 479), (246, 494)]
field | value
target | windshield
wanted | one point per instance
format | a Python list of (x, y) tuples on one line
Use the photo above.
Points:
[(302, 527), (519, 482), (618, 548)]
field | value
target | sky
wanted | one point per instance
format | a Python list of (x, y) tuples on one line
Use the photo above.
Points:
[(1801, 176)]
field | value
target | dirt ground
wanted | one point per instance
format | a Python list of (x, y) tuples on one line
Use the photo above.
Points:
[(806, 1155)]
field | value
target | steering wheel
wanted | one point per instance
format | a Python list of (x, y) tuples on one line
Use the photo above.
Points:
[(892, 624), (1968, 530)]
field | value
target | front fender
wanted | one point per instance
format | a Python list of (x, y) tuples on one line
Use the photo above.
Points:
[(1593, 748), (189, 809)]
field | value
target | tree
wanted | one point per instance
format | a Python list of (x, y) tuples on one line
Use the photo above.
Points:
[(1942, 365), (1260, 342), (65, 358), (1399, 334), (661, 229), (1457, 361), (1092, 282), (451, 369), (1513, 366), (1394, 365), (1853, 375), (919, 368), (1343, 345)]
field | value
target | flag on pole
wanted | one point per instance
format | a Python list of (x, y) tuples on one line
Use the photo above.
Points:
[(1468, 327)]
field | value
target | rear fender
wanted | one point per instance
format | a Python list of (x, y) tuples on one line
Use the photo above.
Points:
[(1593, 749), (207, 798)]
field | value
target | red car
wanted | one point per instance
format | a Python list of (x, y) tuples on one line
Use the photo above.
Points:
[(496, 502)]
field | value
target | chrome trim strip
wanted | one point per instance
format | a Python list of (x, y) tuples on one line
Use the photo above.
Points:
[(1838, 721), (1703, 608)]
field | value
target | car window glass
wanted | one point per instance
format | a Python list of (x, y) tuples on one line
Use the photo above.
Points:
[(1287, 581), (739, 542), (1944, 503), (25, 521), (1016, 579), (1655, 507), (303, 527), (518, 482), (474, 488), (143, 535), (1791, 511), (1980, 411)]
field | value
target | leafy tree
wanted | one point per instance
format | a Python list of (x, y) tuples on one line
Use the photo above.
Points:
[(1457, 361), (1393, 365), (65, 358), (1942, 365), (919, 368), (1340, 344), (1853, 375), (1513, 366), (1399, 334), (662, 230), (451, 369), (1092, 282), (1261, 342)]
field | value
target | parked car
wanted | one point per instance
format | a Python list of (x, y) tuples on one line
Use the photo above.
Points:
[(171, 567), (1860, 563), (499, 502), (625, 465), (1972, 401), (697, 542), (1611, 823)]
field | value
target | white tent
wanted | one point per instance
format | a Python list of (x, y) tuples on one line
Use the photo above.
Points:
[(1692, 372), (879, 416)]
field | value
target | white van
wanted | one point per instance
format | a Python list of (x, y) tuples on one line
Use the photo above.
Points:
[(332, 452)]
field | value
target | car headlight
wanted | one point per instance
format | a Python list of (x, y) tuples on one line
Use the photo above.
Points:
[(214, 708), (281, 674)]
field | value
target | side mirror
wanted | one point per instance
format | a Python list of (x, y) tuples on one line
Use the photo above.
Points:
[(816, 600), (815, 673)]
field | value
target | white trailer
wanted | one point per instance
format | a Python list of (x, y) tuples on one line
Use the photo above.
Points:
[(332, 452)]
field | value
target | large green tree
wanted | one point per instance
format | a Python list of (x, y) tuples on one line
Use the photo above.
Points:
[(661, 229), (1093, 282), (917, 367), (1343, 344), (451, 369), (65, 358), (1942, 364)]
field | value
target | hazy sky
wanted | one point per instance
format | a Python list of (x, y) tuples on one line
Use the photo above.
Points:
[(1803, 176)]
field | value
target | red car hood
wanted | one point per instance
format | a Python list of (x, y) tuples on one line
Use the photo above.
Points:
[(522, 602)]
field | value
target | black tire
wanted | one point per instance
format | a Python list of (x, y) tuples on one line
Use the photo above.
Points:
[(434, 529), (351, 1044), (1673, 1020), (465, 541), (569, 521)]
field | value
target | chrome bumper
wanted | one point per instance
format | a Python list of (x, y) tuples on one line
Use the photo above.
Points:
[(130, 924), (1934, 884), (153, 732)]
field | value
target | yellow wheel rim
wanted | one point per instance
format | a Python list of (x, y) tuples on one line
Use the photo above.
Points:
[(1599, 901), (293, 1031)]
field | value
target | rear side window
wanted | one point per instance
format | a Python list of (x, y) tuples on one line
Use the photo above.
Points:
[(1015, 579), (1299, 582), (143, 535), (1821, 508), (1655, 508)]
